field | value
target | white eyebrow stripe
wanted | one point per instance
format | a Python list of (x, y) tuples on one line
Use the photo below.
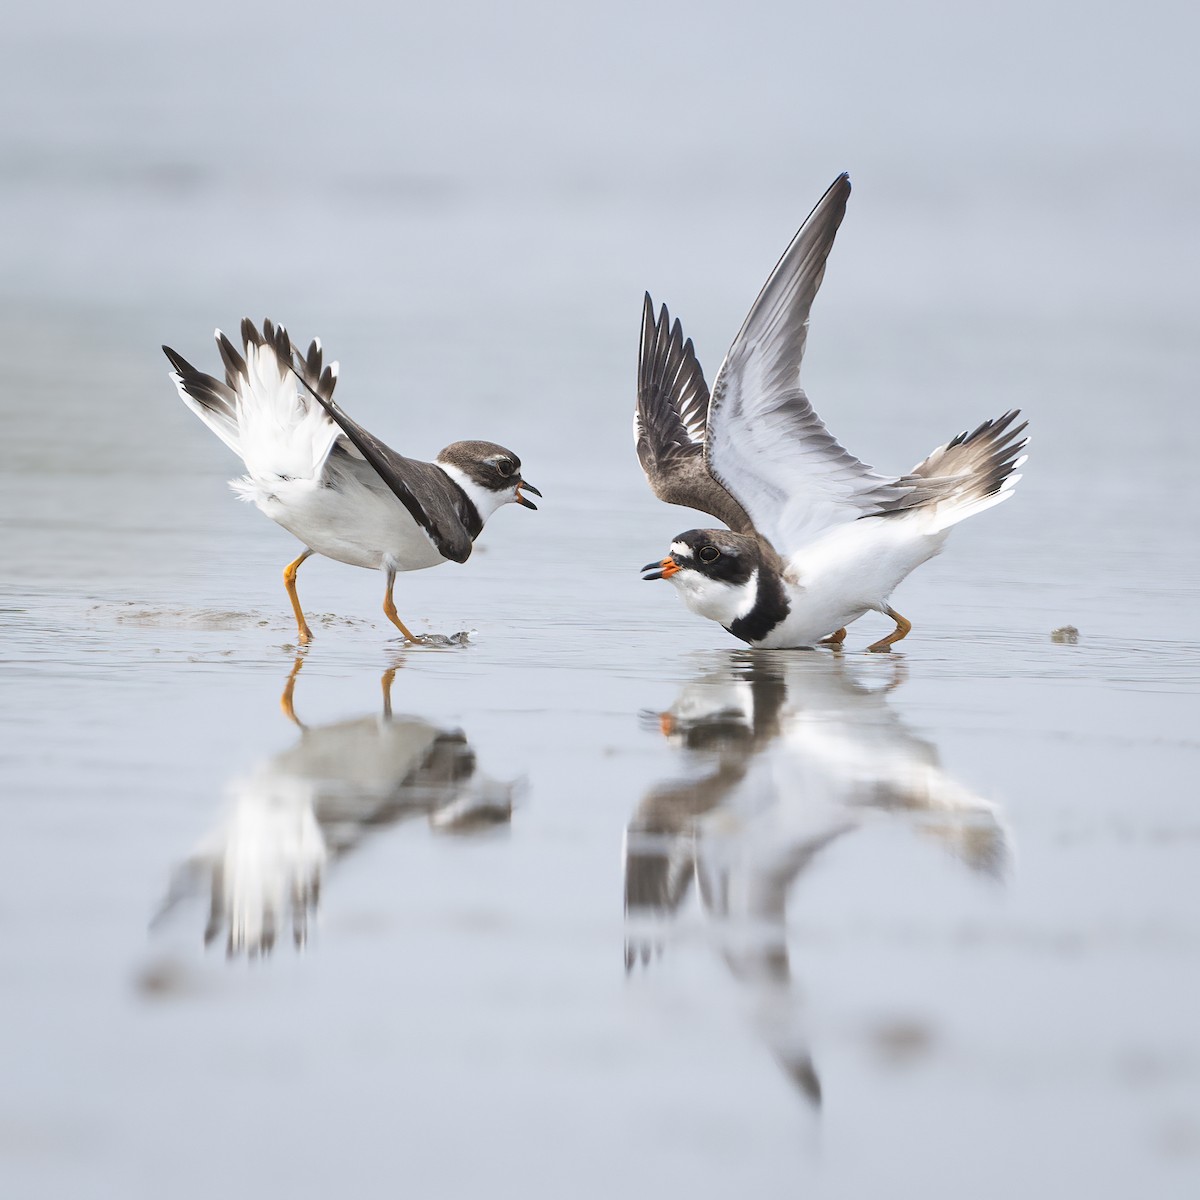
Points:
[(679, 550)]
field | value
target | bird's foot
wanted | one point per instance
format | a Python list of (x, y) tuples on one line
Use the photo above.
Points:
[(903, 626), (438, 639)]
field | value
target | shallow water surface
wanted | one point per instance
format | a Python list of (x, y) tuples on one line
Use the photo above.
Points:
[(594, 888)]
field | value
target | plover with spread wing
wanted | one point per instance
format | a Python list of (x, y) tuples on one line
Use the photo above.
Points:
[(328, 481), (816, 538)]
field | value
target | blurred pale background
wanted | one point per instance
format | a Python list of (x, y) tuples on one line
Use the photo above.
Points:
[(466, 203)]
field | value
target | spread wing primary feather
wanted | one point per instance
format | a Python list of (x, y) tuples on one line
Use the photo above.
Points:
[(755, 454), (765, 442), (671, 419)]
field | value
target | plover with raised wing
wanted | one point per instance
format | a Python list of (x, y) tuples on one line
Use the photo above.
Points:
[(816, 538), (328, 481)]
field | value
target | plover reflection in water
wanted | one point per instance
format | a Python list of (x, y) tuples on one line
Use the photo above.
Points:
[(294, 814), (781, 757)]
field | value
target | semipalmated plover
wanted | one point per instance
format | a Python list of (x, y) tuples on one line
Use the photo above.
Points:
[(328, 481), (816, 538)]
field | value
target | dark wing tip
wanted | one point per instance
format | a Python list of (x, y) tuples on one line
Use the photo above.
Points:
[(840, 185), (182, 367), (672, 403), (278, 338), (250, 334), (648, 331)]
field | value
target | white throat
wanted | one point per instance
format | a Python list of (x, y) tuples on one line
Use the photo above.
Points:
[(486, 502), (718, 601)]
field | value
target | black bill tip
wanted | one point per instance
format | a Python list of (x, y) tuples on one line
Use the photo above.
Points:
[(522, 486), (654, 570)]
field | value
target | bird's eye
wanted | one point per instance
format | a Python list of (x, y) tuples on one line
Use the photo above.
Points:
[(505, 467), (709, 554)]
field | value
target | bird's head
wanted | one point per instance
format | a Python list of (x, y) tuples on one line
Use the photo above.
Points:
[(488, 473), (715, 571)]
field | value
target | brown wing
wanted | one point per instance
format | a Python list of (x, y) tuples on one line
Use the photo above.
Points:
[(671, 422)]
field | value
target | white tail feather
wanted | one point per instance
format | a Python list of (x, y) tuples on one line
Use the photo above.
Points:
[(261, 413), (218, 420)]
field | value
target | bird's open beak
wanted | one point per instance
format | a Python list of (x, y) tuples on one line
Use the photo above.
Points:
[(661, 570), (529, 488)]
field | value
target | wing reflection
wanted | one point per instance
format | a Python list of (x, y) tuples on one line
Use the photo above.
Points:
[(300, 810), (782, 755)]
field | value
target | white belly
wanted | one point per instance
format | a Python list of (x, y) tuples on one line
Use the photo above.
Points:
[(852, 570), (351, 525)]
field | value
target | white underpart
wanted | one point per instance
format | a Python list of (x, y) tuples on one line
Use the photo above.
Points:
[(713, 598), (851, 570), (351, 523), (486, 502)]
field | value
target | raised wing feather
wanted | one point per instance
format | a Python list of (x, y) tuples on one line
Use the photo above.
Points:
[(672, 395), (669, 424), (765, 443), (438, 512)]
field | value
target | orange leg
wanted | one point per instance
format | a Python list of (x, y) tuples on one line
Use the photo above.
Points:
[(903, 626), (285, 701), (834, 639), (386, 684), (289, 582), (389, 608)]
